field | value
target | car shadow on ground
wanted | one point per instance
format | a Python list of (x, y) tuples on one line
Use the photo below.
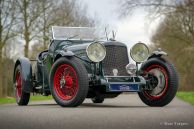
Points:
[(85, 105), (92, 105)]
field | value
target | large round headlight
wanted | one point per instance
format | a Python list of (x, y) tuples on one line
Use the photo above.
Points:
[(96, 52), (139, 52)]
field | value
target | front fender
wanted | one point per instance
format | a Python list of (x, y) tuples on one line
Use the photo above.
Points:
[(65, 53), (26, 70), (158, 53)]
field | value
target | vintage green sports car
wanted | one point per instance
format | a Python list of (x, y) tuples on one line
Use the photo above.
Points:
[(80, 64)]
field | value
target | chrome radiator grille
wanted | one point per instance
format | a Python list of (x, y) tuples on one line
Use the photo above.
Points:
[(116, 58)]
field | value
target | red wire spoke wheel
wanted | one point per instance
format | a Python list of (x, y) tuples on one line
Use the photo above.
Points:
[(22, 98), (18, 85), (161, 76), (164, 81), (69, 82), (66, 82)]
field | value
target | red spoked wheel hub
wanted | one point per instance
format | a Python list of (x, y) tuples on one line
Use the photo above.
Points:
[(160, 73), (18, 84), (65, 82)]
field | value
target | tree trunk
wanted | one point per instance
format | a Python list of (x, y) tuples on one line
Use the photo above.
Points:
[(26, 29), (26, 48), (1, 75), (44, 28), (44, 38), (1, 29)]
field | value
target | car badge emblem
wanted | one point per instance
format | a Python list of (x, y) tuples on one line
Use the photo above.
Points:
[(115, 72)]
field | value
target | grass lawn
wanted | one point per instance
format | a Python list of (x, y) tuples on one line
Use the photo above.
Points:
[(32, 98), (186, 96)]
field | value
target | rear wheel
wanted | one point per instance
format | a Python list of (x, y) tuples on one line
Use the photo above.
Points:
[(22, 98), (164, 80), (69, 82)]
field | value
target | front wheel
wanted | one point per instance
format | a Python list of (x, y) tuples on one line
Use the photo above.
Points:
[(69, 82), (164, 80)]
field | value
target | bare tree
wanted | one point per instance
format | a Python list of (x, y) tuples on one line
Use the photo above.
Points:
[(38, 16), (29, 21), (62, 13), (30, 12), (80, 16), (7, 22), (155, 8), (45, 20), (54, 13)]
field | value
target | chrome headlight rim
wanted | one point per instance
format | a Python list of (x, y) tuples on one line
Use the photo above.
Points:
[(104, 48), (131, 68), (132, 56)]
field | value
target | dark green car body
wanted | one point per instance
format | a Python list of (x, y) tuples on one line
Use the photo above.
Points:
[(100, 74), (156, 81)]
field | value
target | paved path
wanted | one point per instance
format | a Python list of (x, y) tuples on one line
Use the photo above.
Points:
[(124, 112)]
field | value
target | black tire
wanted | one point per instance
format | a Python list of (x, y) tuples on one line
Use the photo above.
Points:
[(98, 99), (22, 98), (82, 79), (172, 84)]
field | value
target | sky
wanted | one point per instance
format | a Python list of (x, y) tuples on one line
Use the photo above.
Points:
[(130, 29)]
